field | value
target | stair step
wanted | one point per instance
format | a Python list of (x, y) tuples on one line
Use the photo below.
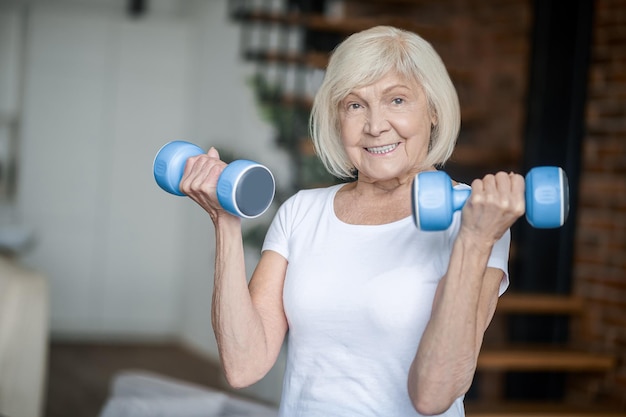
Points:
[(543, 359), (540, 304), (540, 410), (344, 25)]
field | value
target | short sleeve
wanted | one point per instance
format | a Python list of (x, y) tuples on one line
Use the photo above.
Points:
[(277, 239), (500, 259)]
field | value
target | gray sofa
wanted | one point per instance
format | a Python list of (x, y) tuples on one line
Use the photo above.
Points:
[(136, 393), (24, 327)]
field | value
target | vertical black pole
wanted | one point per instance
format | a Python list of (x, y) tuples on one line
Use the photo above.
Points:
[(555, 128)]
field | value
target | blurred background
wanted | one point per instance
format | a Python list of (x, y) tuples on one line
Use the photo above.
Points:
[(101, 271)]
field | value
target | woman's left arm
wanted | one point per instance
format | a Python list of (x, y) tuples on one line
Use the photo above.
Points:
[(466, 297)]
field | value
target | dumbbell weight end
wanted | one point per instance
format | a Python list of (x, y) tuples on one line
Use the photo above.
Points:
[(169, 164), (245, 188), (547, 197), (435, 201)]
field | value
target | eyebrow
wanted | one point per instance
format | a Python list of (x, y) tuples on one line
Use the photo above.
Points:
[(393, 87), (385, 90)]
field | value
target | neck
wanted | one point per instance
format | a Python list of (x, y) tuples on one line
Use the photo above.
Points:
[(374, 202), (365, 185)]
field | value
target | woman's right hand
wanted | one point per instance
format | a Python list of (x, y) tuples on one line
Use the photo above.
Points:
[(199, 182)]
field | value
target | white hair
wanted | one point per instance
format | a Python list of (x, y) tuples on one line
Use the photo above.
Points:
[(362, 59)]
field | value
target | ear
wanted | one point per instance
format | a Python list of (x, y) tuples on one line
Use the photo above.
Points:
[(434, 120)]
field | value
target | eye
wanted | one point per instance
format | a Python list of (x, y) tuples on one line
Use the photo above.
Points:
[(353, 106), (397, 101)]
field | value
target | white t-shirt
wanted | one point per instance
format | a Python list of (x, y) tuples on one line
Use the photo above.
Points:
[(357, 299)]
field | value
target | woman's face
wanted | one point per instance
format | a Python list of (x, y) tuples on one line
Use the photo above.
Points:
[(385, 128)]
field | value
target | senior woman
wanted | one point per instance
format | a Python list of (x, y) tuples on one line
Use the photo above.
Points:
[(382, 319)]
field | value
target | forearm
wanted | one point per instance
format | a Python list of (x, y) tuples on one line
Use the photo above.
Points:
[(236, 323), (445, 362)]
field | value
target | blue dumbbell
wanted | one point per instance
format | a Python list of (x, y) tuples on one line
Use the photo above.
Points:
[(245, 188), (435, 200)]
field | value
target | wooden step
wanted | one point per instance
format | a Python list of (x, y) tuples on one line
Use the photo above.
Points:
[(540, 410), (310, 59), (550, 358), (319, 60), (523, 303), (342, 25)]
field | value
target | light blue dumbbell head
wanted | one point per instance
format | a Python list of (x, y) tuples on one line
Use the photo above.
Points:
[(547, 197), (432, 196), (169, 164), (245, 188)]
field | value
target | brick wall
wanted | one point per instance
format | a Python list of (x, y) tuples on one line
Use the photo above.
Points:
[(600, 247), (485, 45)]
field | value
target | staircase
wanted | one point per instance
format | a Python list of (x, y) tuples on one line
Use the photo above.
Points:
[(289, 42), (497, 358)]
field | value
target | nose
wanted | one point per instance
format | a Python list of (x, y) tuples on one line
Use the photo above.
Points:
[(376, 123)]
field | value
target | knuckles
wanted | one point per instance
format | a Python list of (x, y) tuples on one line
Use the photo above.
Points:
[(201, 174), (501, 193)]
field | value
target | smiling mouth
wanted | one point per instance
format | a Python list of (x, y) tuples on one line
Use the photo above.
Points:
[(380, 150)]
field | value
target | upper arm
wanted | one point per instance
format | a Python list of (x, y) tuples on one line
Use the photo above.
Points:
[(266, 291), (488, 299)]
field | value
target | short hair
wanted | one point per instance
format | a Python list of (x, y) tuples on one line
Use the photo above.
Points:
[(362, 59)]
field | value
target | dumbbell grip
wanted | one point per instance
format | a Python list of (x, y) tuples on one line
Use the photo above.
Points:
[(459, 197)]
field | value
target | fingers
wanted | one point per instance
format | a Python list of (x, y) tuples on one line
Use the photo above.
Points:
[(495, 203), (518, 188), (213, 153), (201, 173), (506, 190), (502, 183)]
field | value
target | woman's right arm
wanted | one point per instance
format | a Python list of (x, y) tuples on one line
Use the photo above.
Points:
[(248, 319)]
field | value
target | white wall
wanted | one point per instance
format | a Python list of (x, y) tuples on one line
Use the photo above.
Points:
[(103, 92), (10, 60), (224, 115)]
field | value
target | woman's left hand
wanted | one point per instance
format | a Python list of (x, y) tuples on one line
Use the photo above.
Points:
[(495, 203)]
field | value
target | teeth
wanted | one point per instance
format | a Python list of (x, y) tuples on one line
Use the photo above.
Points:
[(382, 149)]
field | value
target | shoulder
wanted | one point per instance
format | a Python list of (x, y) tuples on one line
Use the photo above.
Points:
[(310, 198), (315, 193), (306, 204)]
